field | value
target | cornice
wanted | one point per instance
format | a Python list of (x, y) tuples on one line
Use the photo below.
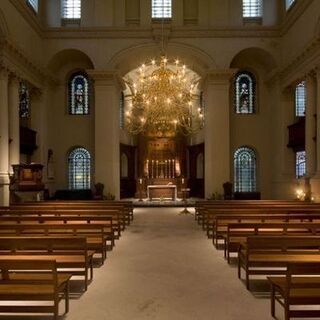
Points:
[(16, 62), (302, 64), (174, 32), (219, 76), (294, 13), (27, 13), (106, 77)]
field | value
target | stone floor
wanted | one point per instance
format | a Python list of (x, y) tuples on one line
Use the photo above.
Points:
[(164, 268)]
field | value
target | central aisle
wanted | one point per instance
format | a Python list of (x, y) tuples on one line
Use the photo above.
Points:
[(164, 268)]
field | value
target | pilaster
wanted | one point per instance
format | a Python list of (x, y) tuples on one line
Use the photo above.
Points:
[(14, 123), (217, 130), (4, 138), (107, 86)]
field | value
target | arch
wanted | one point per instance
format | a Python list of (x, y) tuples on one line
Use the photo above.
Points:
[(130, 58), (245, 169), (200, 166), (4, 30), (255, 58), (124, 169), (79, 168), (78, 57)]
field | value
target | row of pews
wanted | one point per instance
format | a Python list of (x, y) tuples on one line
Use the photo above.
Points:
[(45, 246), (273, 238)]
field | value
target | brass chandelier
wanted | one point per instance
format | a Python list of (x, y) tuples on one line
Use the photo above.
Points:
[(163, 101)]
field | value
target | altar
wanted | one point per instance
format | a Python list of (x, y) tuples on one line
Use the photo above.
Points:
[(160, 191)]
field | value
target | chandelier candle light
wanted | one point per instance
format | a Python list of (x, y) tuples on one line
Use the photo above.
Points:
[(163, 101)]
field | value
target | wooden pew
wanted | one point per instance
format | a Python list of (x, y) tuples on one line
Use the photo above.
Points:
[(105, 221), (71, 253), (209, 223), (118, 220), (260, 255), (207, 210), (300, 287), (238, 232), (32, 280), (221, 222), (125, 211), (93, 233)]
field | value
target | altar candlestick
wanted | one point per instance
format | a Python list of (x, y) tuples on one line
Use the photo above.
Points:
[(172, 168), (152, 169), (157, 164)]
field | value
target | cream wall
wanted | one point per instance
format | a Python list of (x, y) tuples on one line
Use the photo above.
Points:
[(116, 36)]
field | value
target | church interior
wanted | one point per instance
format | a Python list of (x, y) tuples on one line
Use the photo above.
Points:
[(173, 143)]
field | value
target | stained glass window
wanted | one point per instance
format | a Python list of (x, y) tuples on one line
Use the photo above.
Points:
[(300, 99), (33, 4), (24, 101), (251, 8), (289, 3), (121, 110), (79, 169), (245, 91), (300, 164), (79, 94), (245, 170), (161, 9), (71, 9)]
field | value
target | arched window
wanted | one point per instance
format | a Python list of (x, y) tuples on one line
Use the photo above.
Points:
[(79, 162), (300, 164), (245, 170), (24, 101), (252, 8), (162, 9), (245, 92), (78, 93), (300, 99), (71, 9)]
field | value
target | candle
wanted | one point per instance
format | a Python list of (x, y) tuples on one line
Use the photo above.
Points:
[(182, 180), (140, 181)]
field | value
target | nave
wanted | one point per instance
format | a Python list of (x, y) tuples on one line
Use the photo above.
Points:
[(165, 268)]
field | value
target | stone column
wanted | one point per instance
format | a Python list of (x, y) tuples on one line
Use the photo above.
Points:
[(217, 130), (310, 126), (4, 139), (107, 142), (14, 123)]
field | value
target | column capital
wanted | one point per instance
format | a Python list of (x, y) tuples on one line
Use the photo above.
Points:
[(4, 73), (219, 76), (14, 79), (106, 78)]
